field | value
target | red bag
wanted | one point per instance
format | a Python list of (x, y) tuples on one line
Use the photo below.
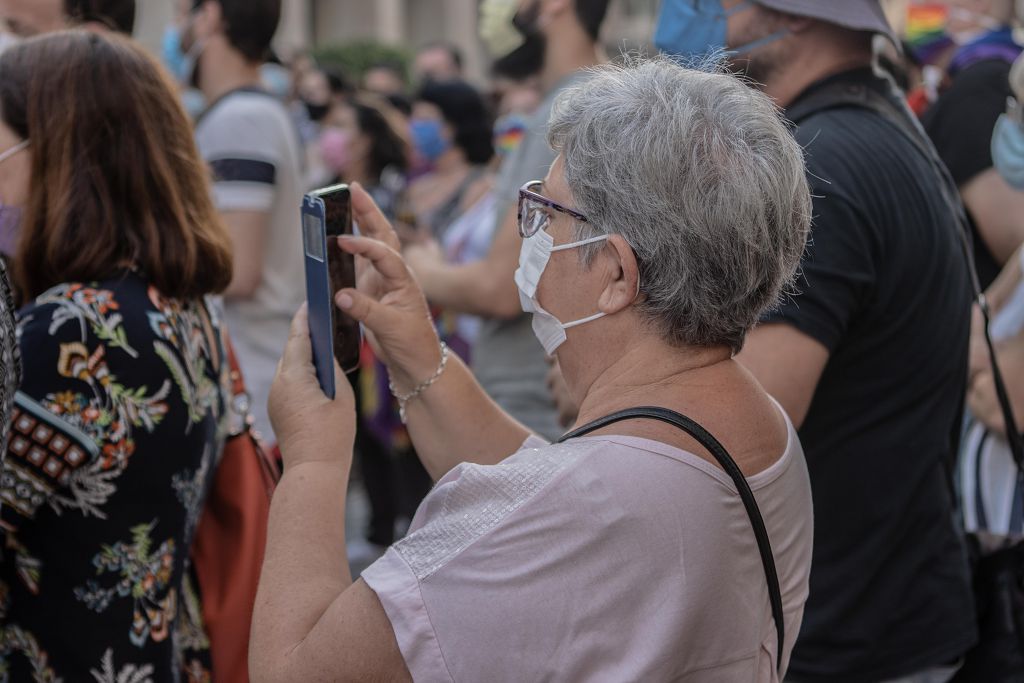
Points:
[(227, 552)]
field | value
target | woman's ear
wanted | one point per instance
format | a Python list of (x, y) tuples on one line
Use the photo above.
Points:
[(209, 19), (623, 286)]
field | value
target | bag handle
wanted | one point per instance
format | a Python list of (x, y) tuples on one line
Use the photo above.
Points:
[(240, 399), (899, 115), (717, 450)]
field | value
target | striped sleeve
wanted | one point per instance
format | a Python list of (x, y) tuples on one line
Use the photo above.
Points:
[(242, 150)]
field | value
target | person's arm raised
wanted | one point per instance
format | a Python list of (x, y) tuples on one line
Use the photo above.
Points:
[(453, 420), (485, 287), (310, 621)]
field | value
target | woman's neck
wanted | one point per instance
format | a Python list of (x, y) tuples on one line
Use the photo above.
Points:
[(453, 162), (654, 373), (359, 172)]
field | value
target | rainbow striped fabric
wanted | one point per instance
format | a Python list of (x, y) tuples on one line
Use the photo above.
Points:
[(926, 29)]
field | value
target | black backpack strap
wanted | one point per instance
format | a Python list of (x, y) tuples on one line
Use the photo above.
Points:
[(894, 110), (732, 469)]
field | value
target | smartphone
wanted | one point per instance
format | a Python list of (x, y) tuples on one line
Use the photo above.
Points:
[(327, 214)]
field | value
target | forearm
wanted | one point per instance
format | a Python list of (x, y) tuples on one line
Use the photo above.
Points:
[(1010, 354), (477, 288), (1002, 289), (305, 568), (455, 421)]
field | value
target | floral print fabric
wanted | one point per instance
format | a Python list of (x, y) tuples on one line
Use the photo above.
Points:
[(9, 361), (119, 422)]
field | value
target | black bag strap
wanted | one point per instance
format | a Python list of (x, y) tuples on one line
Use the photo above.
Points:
[(732, 469), (894, 110)]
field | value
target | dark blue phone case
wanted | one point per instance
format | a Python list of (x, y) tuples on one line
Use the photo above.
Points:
[(318, 291)]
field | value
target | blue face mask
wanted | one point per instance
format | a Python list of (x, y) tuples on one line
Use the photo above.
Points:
[(1008, 150), (697, 28), (173, 56), (428, 136)]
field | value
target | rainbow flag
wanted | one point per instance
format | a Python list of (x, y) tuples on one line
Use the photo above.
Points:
[(926, 28)]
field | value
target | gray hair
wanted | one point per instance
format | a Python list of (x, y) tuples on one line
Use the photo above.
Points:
[(700, 175)]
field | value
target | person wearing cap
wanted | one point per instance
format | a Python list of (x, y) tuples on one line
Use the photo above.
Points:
[(870, 358)]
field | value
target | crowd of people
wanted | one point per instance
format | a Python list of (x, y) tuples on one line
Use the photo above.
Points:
[(753, 276)]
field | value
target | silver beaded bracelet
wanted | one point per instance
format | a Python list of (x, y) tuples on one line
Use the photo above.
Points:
[(421, 387)]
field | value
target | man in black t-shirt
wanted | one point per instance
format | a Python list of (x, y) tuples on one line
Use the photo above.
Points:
[(870, 358), (960, 124)]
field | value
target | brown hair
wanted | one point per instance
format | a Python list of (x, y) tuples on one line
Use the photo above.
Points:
[(379, 121), (116, 178)]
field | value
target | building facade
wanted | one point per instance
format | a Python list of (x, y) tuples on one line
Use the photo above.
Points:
[(408, 23)]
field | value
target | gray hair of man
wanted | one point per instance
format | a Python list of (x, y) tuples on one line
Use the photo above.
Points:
[(699, 173)]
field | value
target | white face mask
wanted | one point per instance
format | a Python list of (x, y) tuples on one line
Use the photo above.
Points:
[(533, 259)]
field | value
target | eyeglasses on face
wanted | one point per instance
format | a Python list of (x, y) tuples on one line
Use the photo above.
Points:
[(535, 210)]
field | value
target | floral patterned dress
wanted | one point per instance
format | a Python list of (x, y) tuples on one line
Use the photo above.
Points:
[(118, 427), (10, 366)]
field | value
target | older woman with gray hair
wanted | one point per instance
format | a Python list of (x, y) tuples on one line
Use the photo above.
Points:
[(639, 547)]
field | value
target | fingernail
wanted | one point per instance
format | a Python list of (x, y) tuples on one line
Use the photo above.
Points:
[(345, 300)]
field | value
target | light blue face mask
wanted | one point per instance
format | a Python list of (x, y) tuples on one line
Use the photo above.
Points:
[(697, 28), (1008, 150), (173, 56)]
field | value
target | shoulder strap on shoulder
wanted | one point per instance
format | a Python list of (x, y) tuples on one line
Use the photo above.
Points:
[(244, 90), (732, 469)]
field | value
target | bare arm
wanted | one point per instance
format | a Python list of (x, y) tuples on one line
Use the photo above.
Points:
[(485, 288), (998, 212), (788, 364), (310, 622), (1003, 287), (981, 394), (456, 421), (248, 231)]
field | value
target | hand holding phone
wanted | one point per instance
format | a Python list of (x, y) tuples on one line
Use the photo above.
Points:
[(326, 215)]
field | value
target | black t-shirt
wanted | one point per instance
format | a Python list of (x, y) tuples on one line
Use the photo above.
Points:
[(885, 290), (960, 125)]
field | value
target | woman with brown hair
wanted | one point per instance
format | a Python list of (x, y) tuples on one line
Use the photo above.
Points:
[(121, 413)]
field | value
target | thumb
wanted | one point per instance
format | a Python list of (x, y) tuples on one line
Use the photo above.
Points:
[(299, 349)]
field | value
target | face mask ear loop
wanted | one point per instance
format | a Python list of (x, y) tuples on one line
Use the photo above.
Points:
[(4, 156), (739, 8), (598, 316), (574, 245), (761, 42), (583, 321)]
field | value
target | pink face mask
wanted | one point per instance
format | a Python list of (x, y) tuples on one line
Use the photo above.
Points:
[(334, 143), (10, 216)]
